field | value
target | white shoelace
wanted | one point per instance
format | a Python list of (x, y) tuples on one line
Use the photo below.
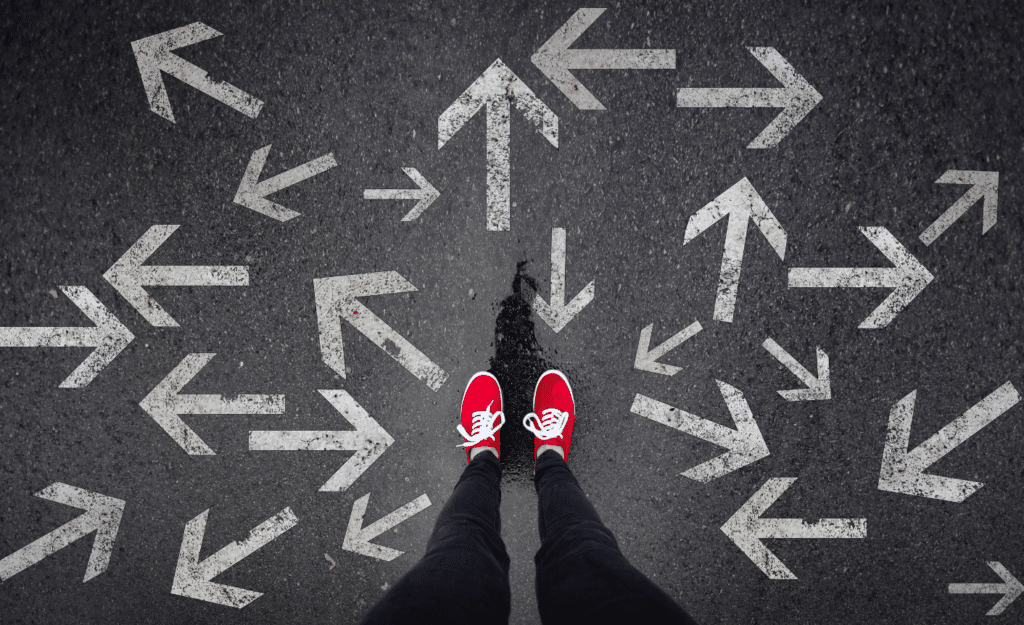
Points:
[(549, 425), (482, 427)]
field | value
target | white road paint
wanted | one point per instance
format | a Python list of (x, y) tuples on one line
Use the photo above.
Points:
[(985, 187), (647, 359), (1010, 589), (192, 578), (554, 59), (369, 440), (907, 277), (745, 443), (796, 97), (164, 403), (252, 193), (109, 337), (102, 515), (426, 194), (903, 470), (336, 299), (741, 204), (357, 537), (557, 313), (746, 528), (153, 54), (497, 89), (818, 387), (128, 276)]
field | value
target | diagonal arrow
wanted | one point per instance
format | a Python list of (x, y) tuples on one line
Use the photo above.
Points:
[(426, 194), (796, 97), (165, 403), (647, 359), (554, 59), (745, 443), (357, 537), (336, 299), (153, 54), (818, 387), (557, 313), (109, 337), (252, 193), (1010, 590), (192, 577), (128, 276), (369, 440), (903, 470), (741, 204), (102, 515), (907, 278), (985, 186), (497, 89)]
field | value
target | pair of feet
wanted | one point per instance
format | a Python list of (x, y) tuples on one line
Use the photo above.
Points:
[(551, 421)]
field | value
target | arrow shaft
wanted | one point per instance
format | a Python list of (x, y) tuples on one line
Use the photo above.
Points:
[(954, 212), (393, 194), (978, 589), (219, 404), (305, 440), (556, 297), (616, 59), (47, 545), (823, 528), (184, 275), (773, 97), (50, 337), (499, 211), (296, 175), (789, 362), (844, 277), (198, 78), (238, 550), (685, 422), (674, 341)]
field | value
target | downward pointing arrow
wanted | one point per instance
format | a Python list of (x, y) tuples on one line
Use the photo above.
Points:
[(819, 387), (647, 359), (426, 194), (357, 537), (985, 187), (252, 193), (1010, 590), (557, 313)]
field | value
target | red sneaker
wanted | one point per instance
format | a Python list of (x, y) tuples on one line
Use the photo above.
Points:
[(478, 421), (553, 401)]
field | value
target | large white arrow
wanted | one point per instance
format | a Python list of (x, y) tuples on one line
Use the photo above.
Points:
[(426, 194), (102, 515), (985, 187), (818, 387), (903, 470), (647, 358), (153, 54), (497, 89), (554, 59), (368, 440), (1010, 589), (741, 204), (192, 577), (796, 97), (746, 528), (164, 403), (109, 337), (357, 537), (128, 276), (745, 443), (253, 194), (557, 313), (907, 278)]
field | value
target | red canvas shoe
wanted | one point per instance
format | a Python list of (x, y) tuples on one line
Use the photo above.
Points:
[(481, 413), (554, 403)]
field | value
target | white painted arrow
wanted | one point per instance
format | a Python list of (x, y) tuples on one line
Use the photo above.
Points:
[(818, 387), (741, 204), (985, 187), (903, 470), (745, 443), (746, 528), (796, 97), (557, 313), (128, 276), (164, 403), (102, 515), (497, 89), (426, 194), (1010, 590), (647, 359), (357, 537), (907, 278), (368, 440), (109, 337), (153, 54), (192, 578), (252, 193), (554, 59)]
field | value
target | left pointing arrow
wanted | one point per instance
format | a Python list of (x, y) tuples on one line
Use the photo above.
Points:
[(426, 194), (252, 193), (102, 515)]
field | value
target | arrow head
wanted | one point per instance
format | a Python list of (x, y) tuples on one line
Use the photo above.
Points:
[(124, 276), (800, 98), (1013, 589), (110, 336), (427, 197), (744, 528), (102, 515), (911, 277), (152, 55), (984, 186), (162, 401), (818, 387), (375, 440), (357, 537), (249, 193), (549, 59)]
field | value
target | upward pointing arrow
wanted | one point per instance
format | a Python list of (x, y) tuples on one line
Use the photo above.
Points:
[(557, 313), (252, 193), (985, 187)]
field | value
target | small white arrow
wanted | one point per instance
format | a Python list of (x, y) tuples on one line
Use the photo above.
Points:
[(797, 97), (907, 278), (109, 337), (192, 578), (557, 313), (426, 194), (985, 187), (164, 403), (128, 276), (903, 470), (497, 89), (368, 440), (554, 59), (153, 54), (357, 537), (819, 387), (647, 359), (740, 203), (102, 515), (746, 528), (252, 193), (1010, 590), (745, 443)]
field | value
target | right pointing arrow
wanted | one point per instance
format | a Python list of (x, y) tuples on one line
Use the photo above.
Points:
[(557, 313), (985, 186), (426, 194), (252, 193), (357, 537), (1010, 590), (818, 387), (647, 359)]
